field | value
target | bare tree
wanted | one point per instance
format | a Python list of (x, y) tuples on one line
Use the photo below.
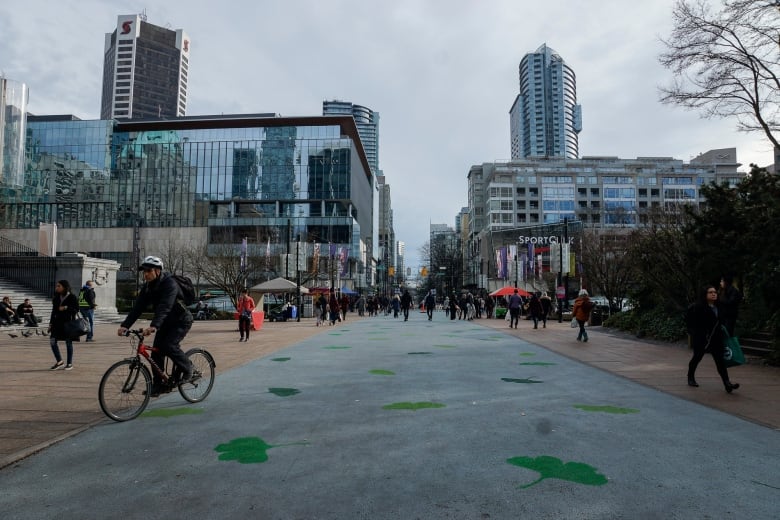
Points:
[(607, 266), (727, 63)]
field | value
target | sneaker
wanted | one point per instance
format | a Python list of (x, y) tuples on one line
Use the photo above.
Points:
[(90, 340), (57, 365), (69, 367)]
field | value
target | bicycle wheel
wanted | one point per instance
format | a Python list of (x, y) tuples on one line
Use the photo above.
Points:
[(199, 387), (124, 390)]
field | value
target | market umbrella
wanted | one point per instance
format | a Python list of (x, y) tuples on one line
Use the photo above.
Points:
[(278, 285), (510, 290)]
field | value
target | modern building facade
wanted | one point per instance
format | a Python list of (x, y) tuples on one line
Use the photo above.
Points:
[(124, 189), (608, 193), (13, 107), (367, 123), (545, 119), (145, 70), (386, 233)]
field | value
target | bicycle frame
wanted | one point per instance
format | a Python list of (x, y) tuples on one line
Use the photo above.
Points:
[(145, 351)]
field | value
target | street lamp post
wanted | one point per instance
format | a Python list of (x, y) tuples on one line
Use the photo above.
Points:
[(298, 274)]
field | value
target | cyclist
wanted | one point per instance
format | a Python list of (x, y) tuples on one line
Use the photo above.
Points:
[(172, 320)]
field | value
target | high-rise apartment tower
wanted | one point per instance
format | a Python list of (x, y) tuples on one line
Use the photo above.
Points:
[(545, 117), (145, 70), (367, 123)]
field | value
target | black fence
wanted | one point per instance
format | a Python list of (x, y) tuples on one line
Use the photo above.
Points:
[(24, 266)]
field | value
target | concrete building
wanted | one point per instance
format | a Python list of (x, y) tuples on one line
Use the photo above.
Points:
[(507, 199), (545, 119), (13, 107), (386, 234), (145, 70)]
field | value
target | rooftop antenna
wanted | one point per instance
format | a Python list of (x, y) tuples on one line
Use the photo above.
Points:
[(143, 15)]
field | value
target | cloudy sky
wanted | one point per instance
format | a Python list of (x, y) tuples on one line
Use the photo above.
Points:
[(441, 73)]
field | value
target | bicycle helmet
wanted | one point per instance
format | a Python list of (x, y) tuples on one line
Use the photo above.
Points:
[(151, 262)]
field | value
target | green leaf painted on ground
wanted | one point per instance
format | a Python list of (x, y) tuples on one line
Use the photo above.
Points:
[(380, 372), (170, 412), (419, 353), (537, 363), (551, 467), (444, 346), (283, 392), (511, 380), (336, 347), (334, 334), (412, 406), (527, 354), (249, 450), (281, 359), (605, 409)]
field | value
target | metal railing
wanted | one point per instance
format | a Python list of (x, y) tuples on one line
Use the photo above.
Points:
[(24, 266)]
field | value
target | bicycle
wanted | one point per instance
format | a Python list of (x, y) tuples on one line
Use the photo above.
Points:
[(126, 387)]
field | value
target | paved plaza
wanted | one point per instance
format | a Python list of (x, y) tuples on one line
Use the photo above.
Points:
[(380, 418)]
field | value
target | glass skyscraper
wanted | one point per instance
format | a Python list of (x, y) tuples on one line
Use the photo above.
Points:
[(545, 119), (115, 188), (368, 126)]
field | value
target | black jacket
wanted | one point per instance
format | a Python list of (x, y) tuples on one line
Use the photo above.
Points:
[(165, 297), (58, 317), (704, 326)]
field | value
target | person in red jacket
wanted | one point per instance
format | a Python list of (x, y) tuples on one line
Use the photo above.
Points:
[(246, 304)]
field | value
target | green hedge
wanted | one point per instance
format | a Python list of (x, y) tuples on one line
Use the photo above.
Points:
[(655, 323)]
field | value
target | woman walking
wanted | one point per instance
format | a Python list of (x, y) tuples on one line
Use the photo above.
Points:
[(246, 304), (705, 327), (64, 308), (581, 312)]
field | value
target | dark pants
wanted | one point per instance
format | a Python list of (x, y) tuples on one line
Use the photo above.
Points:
[(167, 340), (429, 310), (583, 335), (514, 317), (244, 325), (56, 350), (406, 313), (717, 356)]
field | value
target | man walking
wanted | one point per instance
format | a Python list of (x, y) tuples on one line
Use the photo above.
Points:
[(87, 307), (515, 302)]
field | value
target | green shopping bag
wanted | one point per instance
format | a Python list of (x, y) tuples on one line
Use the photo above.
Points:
[(732, 351)]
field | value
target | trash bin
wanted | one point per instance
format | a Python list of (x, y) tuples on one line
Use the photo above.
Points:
[(293, 312)]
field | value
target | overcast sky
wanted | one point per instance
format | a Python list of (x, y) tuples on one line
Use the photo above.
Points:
[(441, 73)]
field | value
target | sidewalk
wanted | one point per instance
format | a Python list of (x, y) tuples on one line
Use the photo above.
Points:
[(40, 407)]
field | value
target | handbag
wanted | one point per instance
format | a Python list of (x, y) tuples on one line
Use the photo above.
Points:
[(574, 323), (77, 327), (732, 351)]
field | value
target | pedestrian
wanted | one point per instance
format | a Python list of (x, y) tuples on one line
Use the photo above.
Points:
[(64, 308), (333, 304), (361, 305), (406, 303), (704, 322), (344, 306), (581, 312), (396, 303), (171, 321), (535, 309), (26, 313), (489, 306), (546, 308), (87, 307), (729, 298), (430, 305), (515, 302), (453, 306), (7, 313), (246, 304)]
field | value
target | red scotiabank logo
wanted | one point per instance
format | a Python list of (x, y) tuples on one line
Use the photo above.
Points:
[(126, 27), (186, 46)]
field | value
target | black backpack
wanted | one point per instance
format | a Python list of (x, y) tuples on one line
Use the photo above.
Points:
[(186, 288)]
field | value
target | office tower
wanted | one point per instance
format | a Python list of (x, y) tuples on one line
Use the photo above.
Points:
[(13, 107), (367, 123), (144, 71), (545, 117)]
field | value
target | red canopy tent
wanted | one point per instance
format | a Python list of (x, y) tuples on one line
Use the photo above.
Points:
[(510, 290)]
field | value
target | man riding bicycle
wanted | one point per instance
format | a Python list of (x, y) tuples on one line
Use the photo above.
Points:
[(172, 320)]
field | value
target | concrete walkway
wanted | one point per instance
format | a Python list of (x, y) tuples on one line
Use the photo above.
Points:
[(311, 431)]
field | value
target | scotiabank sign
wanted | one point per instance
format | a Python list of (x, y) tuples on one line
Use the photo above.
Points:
[(543, 240), (127, 27)]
